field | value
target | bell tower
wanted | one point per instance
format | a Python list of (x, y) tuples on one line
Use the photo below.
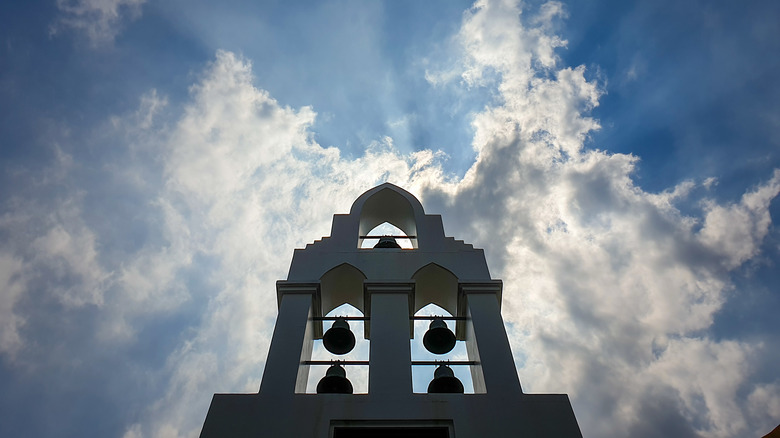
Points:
[(389, 284)]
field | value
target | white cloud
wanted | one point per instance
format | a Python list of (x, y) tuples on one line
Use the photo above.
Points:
[(72, 253), (245, 184), (12, 285), (736, 231), (710, 182), (59, 252), (706, 375), (764, 404), (608, 288), (100, 21), (50, 255)]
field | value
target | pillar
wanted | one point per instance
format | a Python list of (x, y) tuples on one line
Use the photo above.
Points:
[(390, 358), (292, 342), (486, 340)]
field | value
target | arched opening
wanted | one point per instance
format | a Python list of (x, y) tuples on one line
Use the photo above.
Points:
[(422, 374), (357, 374), (437, 285), (389, 206), (386, 229), (342, 284)]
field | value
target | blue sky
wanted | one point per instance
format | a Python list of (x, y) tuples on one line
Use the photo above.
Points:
[(618, 162)]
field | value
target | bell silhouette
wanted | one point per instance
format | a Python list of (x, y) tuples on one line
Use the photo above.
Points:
[(339, 338), (444, 381), (439, 339), (335, 381), (387, 242)]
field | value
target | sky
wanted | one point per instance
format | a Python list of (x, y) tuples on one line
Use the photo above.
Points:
[(619, 163)]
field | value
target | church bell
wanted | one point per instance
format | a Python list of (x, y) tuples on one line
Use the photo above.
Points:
[(387, 242), (339, 339), (439, 339), (444, 381), (335, 381)]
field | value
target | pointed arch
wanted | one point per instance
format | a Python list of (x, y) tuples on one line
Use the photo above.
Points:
[(384, 229), (438, 285), (342, 284), (387, 203)]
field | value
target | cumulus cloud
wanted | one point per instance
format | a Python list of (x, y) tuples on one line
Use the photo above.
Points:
[(736, 231), (609, 289), (47, 250), (100, 21), (244, 183)]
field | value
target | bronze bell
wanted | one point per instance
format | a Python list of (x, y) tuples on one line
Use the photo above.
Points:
[(335, 381), (387, 242), (439, 339), (444, 381), (339, 338)]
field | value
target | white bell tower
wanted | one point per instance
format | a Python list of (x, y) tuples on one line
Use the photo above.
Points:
[(389, 285)]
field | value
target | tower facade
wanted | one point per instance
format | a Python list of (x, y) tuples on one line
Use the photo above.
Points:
[(389, 285)]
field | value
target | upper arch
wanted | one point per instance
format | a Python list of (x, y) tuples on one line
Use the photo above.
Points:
[(388, 203)]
